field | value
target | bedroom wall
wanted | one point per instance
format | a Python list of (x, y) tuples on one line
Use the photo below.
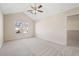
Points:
[(10, 20), (54, 28), (1, 29)]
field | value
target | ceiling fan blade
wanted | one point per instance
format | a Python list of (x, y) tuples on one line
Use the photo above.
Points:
[(33, 7), (40, 6), (29, 10), (39, 11)]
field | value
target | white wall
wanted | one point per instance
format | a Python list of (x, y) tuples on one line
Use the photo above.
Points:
[(10, 21), (1, 29), (54, 28)]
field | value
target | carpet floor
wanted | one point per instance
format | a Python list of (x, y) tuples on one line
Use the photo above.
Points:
[(36, 47)]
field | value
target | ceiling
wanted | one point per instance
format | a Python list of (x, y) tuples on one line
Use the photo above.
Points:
[(48, 8)]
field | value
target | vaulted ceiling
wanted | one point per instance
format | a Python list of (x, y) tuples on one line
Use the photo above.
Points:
[(48, 8)]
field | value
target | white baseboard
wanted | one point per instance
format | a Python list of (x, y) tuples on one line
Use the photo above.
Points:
[(61, 43)]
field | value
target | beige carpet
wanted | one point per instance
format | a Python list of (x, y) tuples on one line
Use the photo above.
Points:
[(36, 47)]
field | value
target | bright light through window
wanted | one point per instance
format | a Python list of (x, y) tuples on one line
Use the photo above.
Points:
[(21, 27)]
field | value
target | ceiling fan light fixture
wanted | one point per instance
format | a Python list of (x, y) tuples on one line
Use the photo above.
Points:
[(34, 9)]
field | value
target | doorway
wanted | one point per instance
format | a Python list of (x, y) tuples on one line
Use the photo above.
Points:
[(73, 30)]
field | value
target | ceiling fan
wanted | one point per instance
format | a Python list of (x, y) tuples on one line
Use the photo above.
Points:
[(34, 9)]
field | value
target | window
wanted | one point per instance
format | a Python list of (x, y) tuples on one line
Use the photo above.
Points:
[(21, 27)]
